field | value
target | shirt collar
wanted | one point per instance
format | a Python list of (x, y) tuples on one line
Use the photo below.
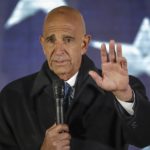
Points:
[(72, 80)]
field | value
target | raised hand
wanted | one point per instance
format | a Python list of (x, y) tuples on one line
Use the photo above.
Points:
[(57, 137), (114, 72)]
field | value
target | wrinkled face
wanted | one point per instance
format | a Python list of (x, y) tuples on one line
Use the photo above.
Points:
[(64, 43)]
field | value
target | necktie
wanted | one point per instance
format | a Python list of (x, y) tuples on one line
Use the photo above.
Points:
[(69, 93)]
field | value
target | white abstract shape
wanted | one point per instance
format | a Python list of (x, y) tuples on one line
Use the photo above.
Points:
[(138, 53), (142, 39), (27, 8), (146, 148)]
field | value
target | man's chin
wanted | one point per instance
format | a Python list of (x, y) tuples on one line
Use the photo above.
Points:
[(63, 75)]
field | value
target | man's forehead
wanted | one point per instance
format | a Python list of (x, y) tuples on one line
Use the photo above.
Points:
[(59, 36), (59, 29), (64, 16), (61, 24)]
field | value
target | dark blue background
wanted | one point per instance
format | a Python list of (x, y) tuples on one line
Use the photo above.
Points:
[(20, 50)]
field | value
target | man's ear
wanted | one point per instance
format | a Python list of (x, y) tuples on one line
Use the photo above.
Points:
[(41, 40), (85, 43), (42, 43)]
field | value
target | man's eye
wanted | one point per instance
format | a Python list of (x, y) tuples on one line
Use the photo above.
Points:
[(68, 40), (51, 40)]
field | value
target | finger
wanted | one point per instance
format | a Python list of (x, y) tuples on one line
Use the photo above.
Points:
[(64, 136), (57, 129), (51, 130), (64, 143), (119, 50), (67, 147), (96, 78), (53, 126), (103, 51), (112, 53), (62, 128), (123, 62)]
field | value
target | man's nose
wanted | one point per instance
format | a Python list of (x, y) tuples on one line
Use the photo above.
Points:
[(59, 47)]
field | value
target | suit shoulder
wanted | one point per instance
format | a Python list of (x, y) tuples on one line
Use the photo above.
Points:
[(19, 84), (134, 80), (137, 84)]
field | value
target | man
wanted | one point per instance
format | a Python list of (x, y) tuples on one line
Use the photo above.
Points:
[(109, 109)]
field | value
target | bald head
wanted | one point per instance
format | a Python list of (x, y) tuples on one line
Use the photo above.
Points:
[(68, 14)]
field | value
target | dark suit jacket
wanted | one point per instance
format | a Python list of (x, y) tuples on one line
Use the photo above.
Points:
[(95, 118)]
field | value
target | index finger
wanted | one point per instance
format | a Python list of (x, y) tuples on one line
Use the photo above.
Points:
[(60, 128), (103, 51)]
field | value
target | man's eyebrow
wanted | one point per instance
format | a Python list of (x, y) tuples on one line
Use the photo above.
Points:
[(68, 36), (50, 37)]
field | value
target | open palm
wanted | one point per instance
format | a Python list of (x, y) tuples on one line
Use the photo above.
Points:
[(114, 70)]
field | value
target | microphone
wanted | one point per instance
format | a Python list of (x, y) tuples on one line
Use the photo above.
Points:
[(58, 88)]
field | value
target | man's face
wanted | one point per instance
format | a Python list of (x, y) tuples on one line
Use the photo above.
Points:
[(64, 44)]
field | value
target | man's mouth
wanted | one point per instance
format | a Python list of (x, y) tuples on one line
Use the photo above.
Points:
[(60, 63)]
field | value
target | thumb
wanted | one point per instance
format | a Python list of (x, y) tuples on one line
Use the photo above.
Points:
[(96, 77)]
